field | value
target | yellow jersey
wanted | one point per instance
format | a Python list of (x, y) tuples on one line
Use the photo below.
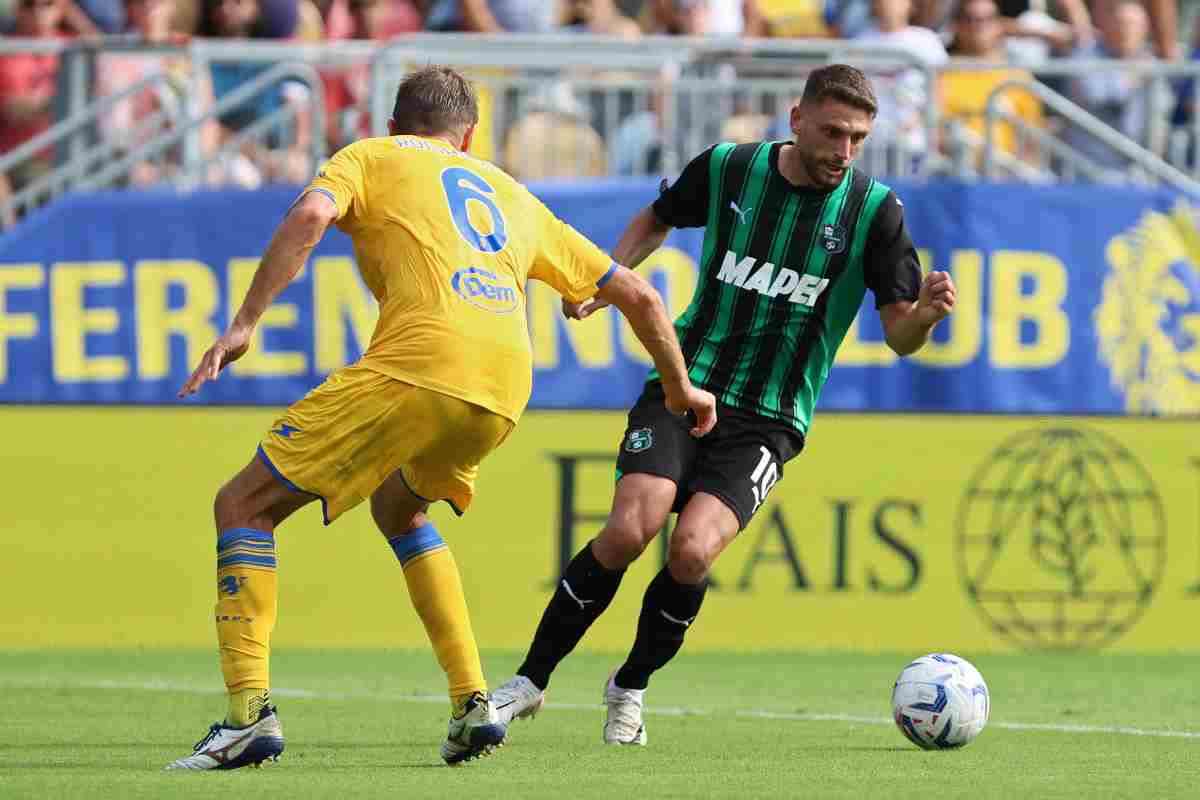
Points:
[(965, 94), (446, 243)]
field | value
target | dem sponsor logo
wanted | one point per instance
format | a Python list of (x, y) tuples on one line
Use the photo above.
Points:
[(484, 290)]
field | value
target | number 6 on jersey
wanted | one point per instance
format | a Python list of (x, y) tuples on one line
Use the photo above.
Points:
[(462, 185)]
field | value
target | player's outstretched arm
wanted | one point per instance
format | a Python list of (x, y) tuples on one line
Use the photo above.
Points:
[(639, 302), (294, 239), (907, 325), (644, 234)]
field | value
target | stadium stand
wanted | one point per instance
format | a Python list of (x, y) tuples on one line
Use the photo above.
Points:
[(248, 92)]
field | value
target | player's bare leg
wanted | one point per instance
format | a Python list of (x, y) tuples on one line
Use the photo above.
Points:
[(640, 507), (671, 603), (435, 588), (641, 504), (247, 510)]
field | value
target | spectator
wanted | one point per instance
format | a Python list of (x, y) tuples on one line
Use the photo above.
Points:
[(276, 19), (492, 16), (554, 140), (599, 17), (281, 153), (27, 88), (1032, 32), (1033, 35), (978, 35), (7, 217), (1164, 26), (398, 16), (95, 17), (890, 28), (103, 16), (171, 97), (636, 146), (1116, 97), (1183, 116), (347, 91), (1162, 18), (310, 25), (736, 18), (678, 17), (848, 19), (903, 92), (794, 18)]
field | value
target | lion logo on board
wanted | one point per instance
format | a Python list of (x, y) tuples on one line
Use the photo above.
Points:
[(1148, 319)]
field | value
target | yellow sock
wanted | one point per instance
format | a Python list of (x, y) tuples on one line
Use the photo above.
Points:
[(245, 615), (435, 588), (245, 705)]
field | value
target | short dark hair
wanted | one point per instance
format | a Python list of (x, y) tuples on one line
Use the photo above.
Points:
[(433, 101), (843, 83)]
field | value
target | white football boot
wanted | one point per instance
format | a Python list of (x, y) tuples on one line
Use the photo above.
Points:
[(517, 699), (224, 747), (623, 722), (473, 732)]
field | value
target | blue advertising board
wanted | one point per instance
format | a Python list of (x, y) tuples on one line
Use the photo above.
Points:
[(1071, 300)]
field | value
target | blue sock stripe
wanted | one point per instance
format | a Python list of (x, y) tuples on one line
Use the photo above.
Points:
[(250, 536), (420, 541), (241, 559), (258, 547), (248, 548), (238, 551)]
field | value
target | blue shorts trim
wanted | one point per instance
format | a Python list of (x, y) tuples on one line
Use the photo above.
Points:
[(279, 476), (458, 511)]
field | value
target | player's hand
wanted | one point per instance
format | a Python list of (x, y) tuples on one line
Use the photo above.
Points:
[(582, 310), (232, 345), (936, 298), (699, 402)]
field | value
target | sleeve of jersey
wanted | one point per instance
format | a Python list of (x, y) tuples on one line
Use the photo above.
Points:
[(343, 180), (570, 262), (890, 265), (685, 203)]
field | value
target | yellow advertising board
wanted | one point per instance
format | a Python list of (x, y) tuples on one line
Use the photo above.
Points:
[(904, 533)]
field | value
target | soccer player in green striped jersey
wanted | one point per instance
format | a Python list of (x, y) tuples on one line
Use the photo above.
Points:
[(794, 237)]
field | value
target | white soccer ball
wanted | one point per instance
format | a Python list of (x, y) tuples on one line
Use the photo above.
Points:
[(940, 701)]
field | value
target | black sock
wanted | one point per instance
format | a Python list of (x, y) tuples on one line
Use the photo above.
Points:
[(668, 608), (570, 613)]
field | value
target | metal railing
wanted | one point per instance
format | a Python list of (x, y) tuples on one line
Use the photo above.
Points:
[(234, 100), (697, 84), (88, 157), (80, 160), (564, 105), (1140, 157)]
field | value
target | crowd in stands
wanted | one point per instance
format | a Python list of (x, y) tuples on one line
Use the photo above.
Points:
[(1016, 35)]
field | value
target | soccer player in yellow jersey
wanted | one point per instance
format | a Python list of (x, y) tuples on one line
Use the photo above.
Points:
[(446, 244)]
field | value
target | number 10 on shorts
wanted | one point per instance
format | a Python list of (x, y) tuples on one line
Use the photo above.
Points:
[(765, 475)]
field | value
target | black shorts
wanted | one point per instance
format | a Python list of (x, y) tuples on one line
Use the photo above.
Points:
[(738, 461)]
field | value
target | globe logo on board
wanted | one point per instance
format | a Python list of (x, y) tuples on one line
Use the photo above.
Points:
[(1147, 324), (1061, 539)]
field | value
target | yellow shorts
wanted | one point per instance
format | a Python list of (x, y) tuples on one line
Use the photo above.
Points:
[(359, 427)]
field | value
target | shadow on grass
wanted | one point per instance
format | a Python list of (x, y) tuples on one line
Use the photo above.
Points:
[(877, 748)]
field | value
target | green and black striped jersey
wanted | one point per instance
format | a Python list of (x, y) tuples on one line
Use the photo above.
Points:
[(783, 272)]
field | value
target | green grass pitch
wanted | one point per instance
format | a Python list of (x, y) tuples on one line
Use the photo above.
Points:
[(368, 723)]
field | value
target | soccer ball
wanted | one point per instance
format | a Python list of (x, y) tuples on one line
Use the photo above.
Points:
[(940, 701)]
